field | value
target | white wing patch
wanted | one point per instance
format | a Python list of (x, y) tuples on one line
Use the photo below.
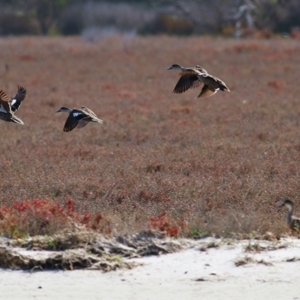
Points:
[(13, 101), (76, 114)]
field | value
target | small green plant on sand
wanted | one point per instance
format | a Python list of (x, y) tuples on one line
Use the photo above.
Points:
[(198, 233)]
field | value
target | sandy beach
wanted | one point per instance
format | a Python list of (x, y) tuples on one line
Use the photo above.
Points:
[(207, 269)]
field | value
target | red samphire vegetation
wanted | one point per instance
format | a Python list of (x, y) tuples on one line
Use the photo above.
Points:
[(33, 217)]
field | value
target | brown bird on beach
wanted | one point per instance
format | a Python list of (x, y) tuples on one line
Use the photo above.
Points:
[(292, 221), (194, 77)]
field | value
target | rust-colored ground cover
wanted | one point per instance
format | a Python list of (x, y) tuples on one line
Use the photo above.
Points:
[(219, 164)]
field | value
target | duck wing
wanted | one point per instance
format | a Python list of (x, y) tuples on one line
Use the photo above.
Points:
[(214, 82), (91, 114), (185, 82), (73, 119), (82, 123), (4, 103), (201, 70), (17, 99)]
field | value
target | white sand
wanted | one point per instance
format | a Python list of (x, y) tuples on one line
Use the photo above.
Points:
[(190, 274)]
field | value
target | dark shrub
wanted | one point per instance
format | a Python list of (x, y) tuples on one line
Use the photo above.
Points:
[(71, 23), (11, 24), (168, 24)]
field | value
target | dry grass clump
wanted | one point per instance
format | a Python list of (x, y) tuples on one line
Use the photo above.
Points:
[(218, 165), (250, 260)]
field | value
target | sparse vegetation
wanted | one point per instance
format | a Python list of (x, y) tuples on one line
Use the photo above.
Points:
[(243, 261), (248, 260), (254, 247), (259, 246), (220, 164), (211, 244)]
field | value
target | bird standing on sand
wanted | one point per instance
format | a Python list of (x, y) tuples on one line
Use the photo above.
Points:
[(8, 107), (79, 117), (194, 77), (292, 221)]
